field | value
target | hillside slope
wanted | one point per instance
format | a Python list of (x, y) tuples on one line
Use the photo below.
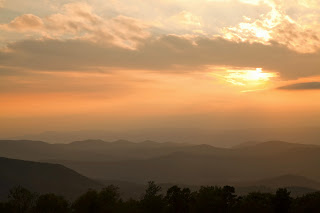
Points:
[(42, 178)]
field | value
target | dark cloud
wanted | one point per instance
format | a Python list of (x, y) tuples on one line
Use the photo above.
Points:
[(166, 53), (302, 86)]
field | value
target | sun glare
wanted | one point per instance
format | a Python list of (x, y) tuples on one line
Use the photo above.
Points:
[(248, 78), (256, 75)]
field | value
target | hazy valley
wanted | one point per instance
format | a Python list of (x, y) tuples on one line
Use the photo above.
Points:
[(249, 166)]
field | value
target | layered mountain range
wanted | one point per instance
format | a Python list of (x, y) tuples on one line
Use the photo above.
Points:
[(173, 162)]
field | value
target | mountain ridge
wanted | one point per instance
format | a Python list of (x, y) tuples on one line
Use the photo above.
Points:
[(216, 137), (188, 164), (42, 178)]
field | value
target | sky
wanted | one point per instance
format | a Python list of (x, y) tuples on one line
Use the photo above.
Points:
[(117, 64)]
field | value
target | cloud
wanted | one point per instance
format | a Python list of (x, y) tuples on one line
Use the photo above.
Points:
[(79, 21), (302, 86), (171, 53), (187, 19), (309, 3), (26, 22), (20, 82), (294, 24)]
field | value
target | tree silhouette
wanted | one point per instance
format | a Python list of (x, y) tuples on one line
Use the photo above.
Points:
[(307, 203), (105, 201), (21, 200), (109, 199), (255, 202), (51, 203), (87, 203), (208, 199), (282, 201), (152, 201), (215, 199), (179, 201)]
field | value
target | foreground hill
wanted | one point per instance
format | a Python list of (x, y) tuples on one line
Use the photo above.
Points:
[(42, 178)]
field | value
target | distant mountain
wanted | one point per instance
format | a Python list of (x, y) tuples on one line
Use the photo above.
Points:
[(245, 144), (295, 191), (204, 164), (220, 138), (287, 181), (270, 145), (88, 150), (297, 185), (171, 162), (42, 178)]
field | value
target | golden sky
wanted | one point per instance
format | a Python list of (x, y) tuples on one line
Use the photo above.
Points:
[(69, 65)]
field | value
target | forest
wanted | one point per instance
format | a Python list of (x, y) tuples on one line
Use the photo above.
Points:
[(207, 199)]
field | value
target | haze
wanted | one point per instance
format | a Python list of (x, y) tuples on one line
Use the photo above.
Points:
[(123, 64)]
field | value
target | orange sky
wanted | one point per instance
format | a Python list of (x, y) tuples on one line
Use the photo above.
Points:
[(97, 64)]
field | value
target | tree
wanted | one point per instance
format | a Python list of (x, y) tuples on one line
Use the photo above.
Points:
[(51, 203), (307, 203), (109, 199), (105, 201), (178, 201), (21, 200), (229, 197), (215, 199), (255, 202), (130, 206), (282, 201), (87, 203), (152, 201)]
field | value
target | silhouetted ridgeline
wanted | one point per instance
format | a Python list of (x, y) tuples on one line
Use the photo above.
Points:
[(221, 138), (175, 200), (172, 162), (42, 178)]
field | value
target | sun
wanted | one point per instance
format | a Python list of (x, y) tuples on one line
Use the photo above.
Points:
[(256, 75), (248, 78)]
